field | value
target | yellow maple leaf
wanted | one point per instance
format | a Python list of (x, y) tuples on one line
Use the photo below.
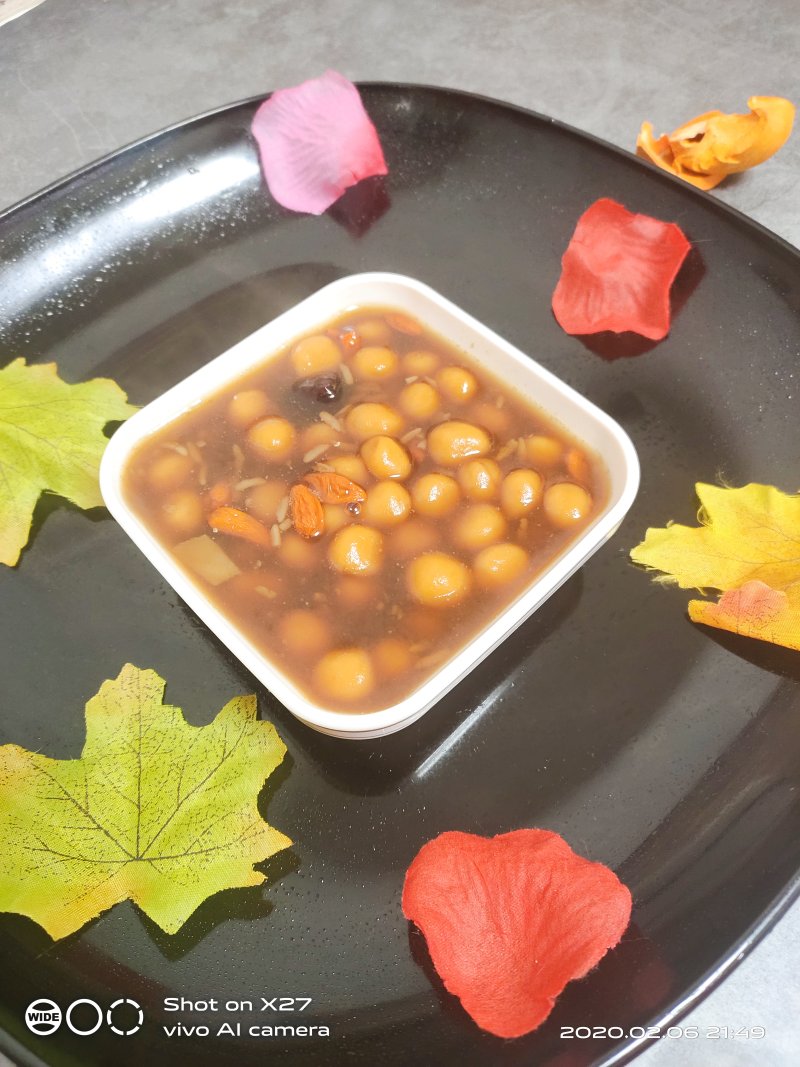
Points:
[(747, 546), (51, 439), (155, 810)]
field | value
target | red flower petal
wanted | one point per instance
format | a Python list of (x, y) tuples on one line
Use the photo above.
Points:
[(316, 140), (617, 271), (509, 920)]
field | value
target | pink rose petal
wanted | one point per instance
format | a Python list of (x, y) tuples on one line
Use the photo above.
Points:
[(315, 141)]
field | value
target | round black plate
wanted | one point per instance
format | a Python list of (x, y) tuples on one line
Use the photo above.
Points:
[(663, 749)]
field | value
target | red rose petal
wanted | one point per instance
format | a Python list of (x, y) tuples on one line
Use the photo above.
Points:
[(617, 272), (316, 140), (509, 920)]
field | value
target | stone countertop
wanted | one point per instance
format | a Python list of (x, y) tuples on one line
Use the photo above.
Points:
[(81, 79)]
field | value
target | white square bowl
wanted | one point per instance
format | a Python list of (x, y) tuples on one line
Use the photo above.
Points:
[(584, 421)]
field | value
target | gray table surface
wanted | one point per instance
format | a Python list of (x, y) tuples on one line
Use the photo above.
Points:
[(79, 78)]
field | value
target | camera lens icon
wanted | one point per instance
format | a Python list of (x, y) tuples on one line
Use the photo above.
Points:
[(84, 1017), (134, 1020), (43, 1017)]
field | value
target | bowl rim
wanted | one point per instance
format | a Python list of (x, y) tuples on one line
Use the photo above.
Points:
[(237, 361)]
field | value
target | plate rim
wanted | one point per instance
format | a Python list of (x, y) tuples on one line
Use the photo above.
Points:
[(626, 1050), (249, 101)]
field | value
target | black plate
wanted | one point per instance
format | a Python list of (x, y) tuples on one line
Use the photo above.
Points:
[(665, 750)]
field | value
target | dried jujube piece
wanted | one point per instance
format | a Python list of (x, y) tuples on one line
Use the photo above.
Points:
[(509, 920), (324, 388)]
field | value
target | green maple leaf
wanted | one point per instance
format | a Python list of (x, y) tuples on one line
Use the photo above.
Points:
[(51, 438), (155, 810)]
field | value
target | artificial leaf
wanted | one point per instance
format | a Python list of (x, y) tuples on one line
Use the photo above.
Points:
[(509, 920), (711, 146), (617, 272), (51, 439), (755, 610), (744, 534), (155, 810), (747, 546), (315, 140)]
